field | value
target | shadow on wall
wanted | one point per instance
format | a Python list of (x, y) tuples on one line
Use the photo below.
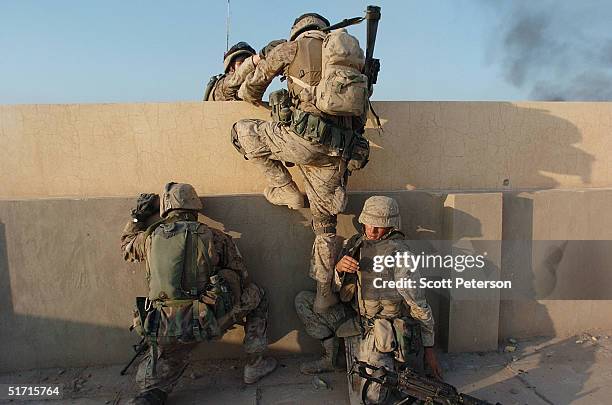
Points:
[(476, 145)]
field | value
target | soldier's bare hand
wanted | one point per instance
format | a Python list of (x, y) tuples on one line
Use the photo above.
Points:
[(347, 265), (432, 361)]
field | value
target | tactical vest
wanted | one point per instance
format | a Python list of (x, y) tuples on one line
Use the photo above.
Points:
[(304, 72), (369, 283), (179, 265), (310, 91)]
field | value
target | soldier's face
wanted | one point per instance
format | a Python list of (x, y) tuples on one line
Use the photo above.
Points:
[(236, 63), (375, 232)]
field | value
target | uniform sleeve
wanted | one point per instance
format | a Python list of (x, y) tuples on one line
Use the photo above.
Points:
[(416, 301), (255, 85), (228, 253), (227, 90), (133, 241), (339, 277)]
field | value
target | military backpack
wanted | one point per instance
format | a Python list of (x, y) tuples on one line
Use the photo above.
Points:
[(180, 273), (327, 73)]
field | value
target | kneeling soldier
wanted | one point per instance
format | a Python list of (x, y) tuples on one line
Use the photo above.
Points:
[(198, 288), (397, 324)]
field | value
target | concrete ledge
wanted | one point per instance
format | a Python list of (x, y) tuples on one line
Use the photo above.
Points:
[(112, 150)]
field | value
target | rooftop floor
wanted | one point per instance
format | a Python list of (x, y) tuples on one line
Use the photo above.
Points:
[(575, 370)]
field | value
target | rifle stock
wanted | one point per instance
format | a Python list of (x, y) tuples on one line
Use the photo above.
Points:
[(140, 348)]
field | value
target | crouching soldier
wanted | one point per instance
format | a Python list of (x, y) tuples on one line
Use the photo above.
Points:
[(198, 288), (396, 323)]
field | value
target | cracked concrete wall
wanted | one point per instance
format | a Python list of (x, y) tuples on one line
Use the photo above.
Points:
[(99, 150)]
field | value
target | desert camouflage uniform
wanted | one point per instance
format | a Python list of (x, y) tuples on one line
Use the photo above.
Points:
[(226, 88), (325, 325), (163, 369), (268, 144)]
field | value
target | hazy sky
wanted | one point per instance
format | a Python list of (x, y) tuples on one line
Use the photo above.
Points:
[(64, 51)]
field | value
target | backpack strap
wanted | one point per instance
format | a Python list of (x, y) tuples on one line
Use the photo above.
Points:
[(211, 85)]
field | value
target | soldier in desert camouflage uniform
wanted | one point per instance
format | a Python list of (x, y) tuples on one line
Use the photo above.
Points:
[(239, 62), (325, 162), (404, 308), (196, 290)]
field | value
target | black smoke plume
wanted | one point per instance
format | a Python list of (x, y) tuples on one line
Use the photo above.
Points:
[(557, 50)]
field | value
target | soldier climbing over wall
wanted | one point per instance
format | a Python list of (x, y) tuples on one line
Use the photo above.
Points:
[(238, 63), (198, 288), (318, 125)]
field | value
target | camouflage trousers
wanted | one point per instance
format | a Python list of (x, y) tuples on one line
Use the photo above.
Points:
[(163, 365), (268, 144), (320, 325), (369, 353)]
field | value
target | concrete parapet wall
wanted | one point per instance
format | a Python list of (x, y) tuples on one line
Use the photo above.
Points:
[(66, 294), (101, 150), (69, 174)]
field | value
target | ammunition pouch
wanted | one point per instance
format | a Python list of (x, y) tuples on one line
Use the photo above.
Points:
[(318, 130), (180, 321), (234, 140), (280, 103), (408, 337), (140, 314), (360, 154), (220, 294), (353, 147), (384, 335)]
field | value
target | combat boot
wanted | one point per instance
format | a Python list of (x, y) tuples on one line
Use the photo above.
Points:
[(327, 362), (325, 298), (288, 195), (150, 397), (260, 368)]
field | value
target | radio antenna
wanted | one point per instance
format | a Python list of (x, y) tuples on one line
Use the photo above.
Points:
[(227, 27)]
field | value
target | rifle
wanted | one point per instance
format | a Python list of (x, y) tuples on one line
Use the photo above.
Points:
[(139, 348), (412, 386)]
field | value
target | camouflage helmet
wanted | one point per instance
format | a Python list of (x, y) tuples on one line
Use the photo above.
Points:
[(381, 211), (241, 48), (306, 22), (178, 196)]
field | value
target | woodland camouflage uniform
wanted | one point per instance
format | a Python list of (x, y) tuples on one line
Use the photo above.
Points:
[(164, 363)]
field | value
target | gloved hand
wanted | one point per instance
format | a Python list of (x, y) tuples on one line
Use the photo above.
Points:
[(271, 45), (146, 205)]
